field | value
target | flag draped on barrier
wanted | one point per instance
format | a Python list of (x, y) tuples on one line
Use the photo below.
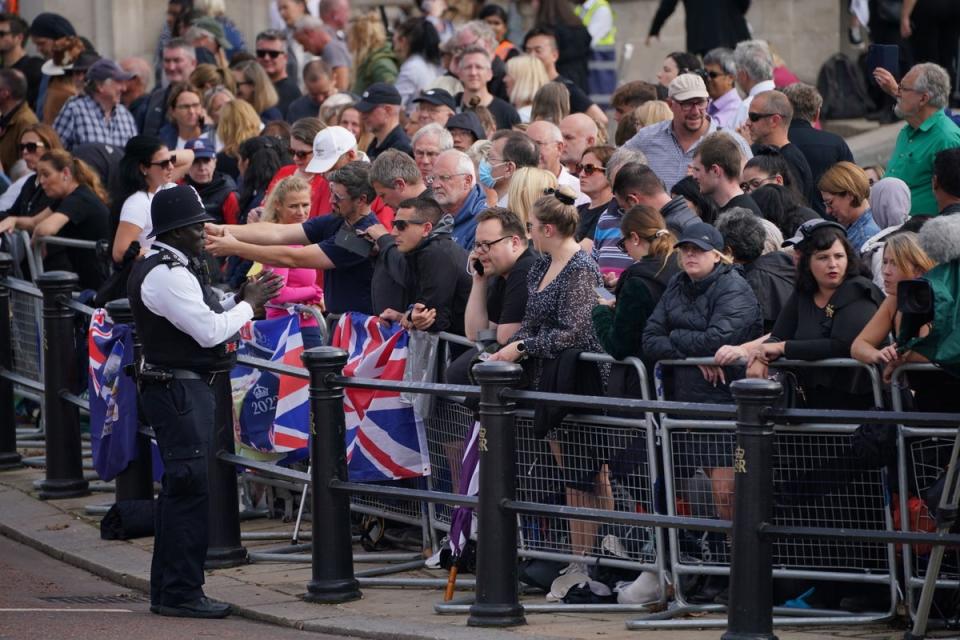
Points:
[(385, 438), (113, 396), (271, 412)]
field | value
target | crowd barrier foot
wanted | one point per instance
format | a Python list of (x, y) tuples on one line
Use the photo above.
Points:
[(11, 460), (457, 607), (61, 489), (225, 557)]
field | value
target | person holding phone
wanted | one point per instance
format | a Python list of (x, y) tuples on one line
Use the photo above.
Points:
[(187, 118)]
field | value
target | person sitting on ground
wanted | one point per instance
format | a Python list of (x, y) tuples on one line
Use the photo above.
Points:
[(771, 275), (846, 192), (619, 322)]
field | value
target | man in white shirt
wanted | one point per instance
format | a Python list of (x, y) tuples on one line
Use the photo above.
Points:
[(548, 137), (189, 336), (754, 74)]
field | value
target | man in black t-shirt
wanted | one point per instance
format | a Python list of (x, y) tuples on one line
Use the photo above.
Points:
[(498, 297), (14, 31), (716, 169), (272, 56), (541, 43), (475, 70)]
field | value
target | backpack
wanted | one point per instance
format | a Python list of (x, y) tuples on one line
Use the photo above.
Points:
[(843, 89)]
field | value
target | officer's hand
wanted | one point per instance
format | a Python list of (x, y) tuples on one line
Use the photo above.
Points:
[(265, 286)]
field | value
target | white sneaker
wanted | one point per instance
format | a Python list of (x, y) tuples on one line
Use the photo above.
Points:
[(644, 590), (573, 574)]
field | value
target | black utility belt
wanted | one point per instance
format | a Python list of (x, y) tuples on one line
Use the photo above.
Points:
[(165, 375)]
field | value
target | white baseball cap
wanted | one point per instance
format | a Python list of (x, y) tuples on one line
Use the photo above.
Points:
[(328, 146)]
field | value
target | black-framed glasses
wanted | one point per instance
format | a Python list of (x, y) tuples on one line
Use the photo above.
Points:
[(301, 155), (402, 225), (30, 147), (3, 34), (588, 169), (269, 53), (483, 247), (164, 164), (749, 185), (757, 117)]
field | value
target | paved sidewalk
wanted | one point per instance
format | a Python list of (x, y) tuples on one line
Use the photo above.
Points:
[(271, 592)]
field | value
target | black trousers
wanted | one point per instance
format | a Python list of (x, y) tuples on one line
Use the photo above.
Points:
[(182, 416)]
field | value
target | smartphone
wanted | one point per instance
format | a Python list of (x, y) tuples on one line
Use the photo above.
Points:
[(478, 267), (886, 56), (603, 293), (348, 239)]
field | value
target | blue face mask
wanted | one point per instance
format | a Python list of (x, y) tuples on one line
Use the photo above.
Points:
[(486, 174)]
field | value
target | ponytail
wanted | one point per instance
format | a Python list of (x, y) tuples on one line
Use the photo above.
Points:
[(649, 224), (80, 170)]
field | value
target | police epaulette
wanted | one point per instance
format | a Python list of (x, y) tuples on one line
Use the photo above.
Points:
[(170, 260)]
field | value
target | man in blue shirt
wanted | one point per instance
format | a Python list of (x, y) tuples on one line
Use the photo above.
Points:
[(329, 242)]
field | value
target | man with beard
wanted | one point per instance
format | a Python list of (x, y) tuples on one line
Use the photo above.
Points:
[(322, 243), (670, 145), (921, 97)]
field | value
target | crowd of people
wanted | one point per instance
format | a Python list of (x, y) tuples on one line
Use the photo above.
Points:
[(435, 174)]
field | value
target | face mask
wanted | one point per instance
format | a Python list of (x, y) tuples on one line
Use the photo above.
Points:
[(486, 175)]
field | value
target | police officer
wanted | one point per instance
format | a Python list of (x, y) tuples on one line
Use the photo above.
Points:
[(189, 337)]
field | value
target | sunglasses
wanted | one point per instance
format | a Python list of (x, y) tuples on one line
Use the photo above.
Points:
[(588, 169), (302, 155), (164, 164), (402, 225), (30, 147), (268, 53), (757, 117), (622, 245), (713, 75)]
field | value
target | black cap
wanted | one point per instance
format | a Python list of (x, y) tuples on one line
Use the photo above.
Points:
[(377, 94), (439, 97), (805, 230), (176, 207), (702, 235), (468, 121), (51, 25)]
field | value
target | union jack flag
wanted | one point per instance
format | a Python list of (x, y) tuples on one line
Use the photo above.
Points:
[(385, 438), (271, 412)]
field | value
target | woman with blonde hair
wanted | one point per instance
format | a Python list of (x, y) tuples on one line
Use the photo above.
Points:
[(289, 203), (348, 117), (551, 103), (238, 122), (652, 112), (79, 212), (525, 76), (373, 57), (254, 86), (526, 187)]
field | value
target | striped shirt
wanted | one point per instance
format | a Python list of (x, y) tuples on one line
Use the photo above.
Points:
[(605, 251), (664, 154)]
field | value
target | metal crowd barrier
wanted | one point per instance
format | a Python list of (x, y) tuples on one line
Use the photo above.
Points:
[(693, 448)]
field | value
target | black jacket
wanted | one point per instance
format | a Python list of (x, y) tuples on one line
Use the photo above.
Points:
[(694, 319), (710, 23), (437, 278), (822, 150), (678, 215), (215, 193), (574, 54), (772, 277)]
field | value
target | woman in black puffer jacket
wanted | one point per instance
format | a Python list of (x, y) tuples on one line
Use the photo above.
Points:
[(706, 306)]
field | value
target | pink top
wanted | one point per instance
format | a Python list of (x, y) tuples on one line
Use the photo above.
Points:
[(300, 287)]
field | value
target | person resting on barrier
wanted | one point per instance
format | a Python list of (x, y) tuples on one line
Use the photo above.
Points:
[(619, 321), (904, 259), (831, 304), (556, 327), (437, 281), (35, 141), (330, 242), (79, 212), (498, 264), (289, 203), (189, 337), (707, 305)]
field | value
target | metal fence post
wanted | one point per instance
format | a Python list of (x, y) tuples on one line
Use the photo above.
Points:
[(497, 601), (750, 614), (64, 477), (136, 481), (9, 458), (332, 580), (224, 546)]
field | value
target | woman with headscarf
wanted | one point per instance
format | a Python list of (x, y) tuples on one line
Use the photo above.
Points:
[(890, 204)]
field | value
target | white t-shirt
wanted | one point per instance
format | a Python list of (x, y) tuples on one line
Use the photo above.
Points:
[(136, 211)]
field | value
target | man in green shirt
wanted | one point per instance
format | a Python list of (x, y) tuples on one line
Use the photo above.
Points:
[(921, 98)]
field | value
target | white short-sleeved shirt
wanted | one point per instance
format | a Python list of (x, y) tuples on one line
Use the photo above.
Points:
[(136, 211)]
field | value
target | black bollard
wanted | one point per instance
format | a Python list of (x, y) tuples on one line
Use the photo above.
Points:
[(9, 458), (332, 580), (497, 601), (224, 547), (64, 477), (750, 613), (136, 481)]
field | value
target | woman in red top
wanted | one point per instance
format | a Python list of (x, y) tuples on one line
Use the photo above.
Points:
[(302, 134)]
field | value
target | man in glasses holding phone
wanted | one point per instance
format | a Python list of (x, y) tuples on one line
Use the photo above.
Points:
[(272, 56)]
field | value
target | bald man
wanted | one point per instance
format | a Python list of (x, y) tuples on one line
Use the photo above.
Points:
[(579, 132), (550, 140), (768, 123)]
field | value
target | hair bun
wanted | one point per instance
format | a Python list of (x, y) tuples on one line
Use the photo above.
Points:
[(563, 194)]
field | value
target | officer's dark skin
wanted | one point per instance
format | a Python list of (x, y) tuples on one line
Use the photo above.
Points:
[(190, 240)]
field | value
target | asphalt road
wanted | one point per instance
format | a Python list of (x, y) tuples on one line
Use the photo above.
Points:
[(44, 599)]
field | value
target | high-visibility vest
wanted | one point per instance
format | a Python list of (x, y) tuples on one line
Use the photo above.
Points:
[(503, 49), (608, 40)]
